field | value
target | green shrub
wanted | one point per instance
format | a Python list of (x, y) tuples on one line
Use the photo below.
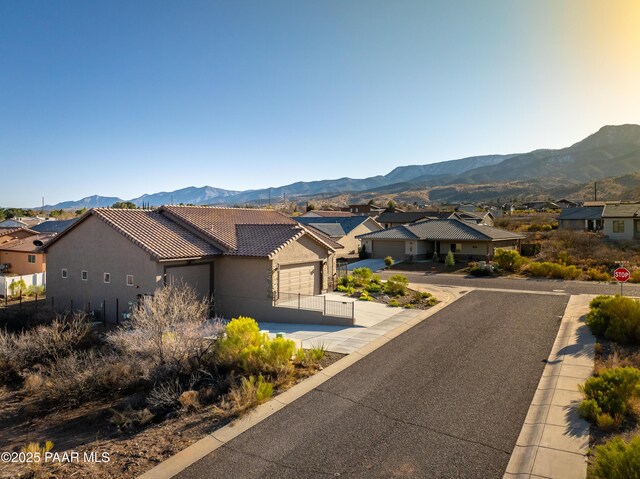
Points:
[(394, 303), (553, 270), (408, 306), (616, 459), (344, 281), (635, 276), (478, 271), (373, 288), (388, 261), (396, 285), (595, 274), (375, 279), (361, 276), (341, 288), (249, 393), (364, 296), (35, 290), (450, 260), (18, 288), (509, 260), (253, 352), (612, 391), (616, 318)]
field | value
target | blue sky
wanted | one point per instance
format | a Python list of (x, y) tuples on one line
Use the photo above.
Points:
[(125, 98)]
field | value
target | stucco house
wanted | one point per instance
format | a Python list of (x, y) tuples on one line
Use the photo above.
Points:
[(345, 230), (420, 240), (585, 218), (621, 221), (364, 210), (243, 259)]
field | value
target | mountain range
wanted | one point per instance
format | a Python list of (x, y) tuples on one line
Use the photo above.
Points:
[(613, 151)]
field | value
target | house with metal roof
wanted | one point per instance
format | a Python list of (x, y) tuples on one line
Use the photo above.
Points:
[(419, 241), (245, 260), (621, 221), (345, 230), (398, 218), (582, 218), (53, 226)]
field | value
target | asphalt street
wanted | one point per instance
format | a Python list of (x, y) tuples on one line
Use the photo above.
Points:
[(446, 399), (523, 284)]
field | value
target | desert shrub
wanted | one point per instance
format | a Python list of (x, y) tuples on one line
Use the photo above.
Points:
[(450, 260), (394, 303), (18, 288), (478, 271), (635, 276), (245, 348), (604, 421), (85, 376), (189, 400), (42, 345), (396, 285), (35, 450), (408, 306), (596, 274), (617, 459), (375, 279), (610, 392), (373, 287), (388, 261), (130, 419), (509, 260), (616, 318), (165, 395), (364, 296), (172, 329), (249, 393), (35, 290), (311, 357), (361, 276), (341, 288), (553, 270)]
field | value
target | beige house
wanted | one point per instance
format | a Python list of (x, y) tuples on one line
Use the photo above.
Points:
[(421, 240), (244, 259), (345, 230), (621, 221), (18, 253)]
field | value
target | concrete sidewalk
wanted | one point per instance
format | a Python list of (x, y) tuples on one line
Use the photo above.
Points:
[(554, 439)]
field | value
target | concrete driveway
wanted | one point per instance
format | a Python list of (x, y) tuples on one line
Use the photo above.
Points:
[(372, 264)]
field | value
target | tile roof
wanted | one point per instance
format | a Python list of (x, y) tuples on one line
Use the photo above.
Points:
[(444, 229), (243, 231), (25, 245), (582, 213), (155, 233), (10, 231), (623, 210), (407, 217)]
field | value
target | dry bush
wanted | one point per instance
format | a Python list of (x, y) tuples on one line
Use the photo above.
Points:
[(131, 419), (165, 395), (249, 393), (84, 376), (171, 329), (42, 345), (189, 400)]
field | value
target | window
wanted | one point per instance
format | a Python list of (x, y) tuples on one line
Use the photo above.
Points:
[(129, 280), (31, 258), (618, 226), (456, 247), (107, 277), (84, 275), (64, 273)]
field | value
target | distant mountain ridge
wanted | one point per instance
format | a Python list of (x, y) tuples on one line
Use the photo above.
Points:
[(612, 151)]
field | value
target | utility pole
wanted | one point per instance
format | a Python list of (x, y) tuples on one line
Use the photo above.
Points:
[(595, 191)]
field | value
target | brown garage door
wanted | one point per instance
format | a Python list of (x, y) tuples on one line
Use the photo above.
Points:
[(300, 278), (382, 249)]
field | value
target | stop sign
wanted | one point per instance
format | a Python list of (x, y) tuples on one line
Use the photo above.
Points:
[(622, 275)]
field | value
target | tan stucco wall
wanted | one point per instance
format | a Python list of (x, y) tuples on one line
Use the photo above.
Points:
[(628, 228), (20, 262), (306, 250), (95, 247), (351, 243)]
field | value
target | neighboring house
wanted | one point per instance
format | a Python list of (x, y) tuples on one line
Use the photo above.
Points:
[(364, 210), (420, 240), (392, 219), (621, 221), (244, 259), (468, 207), (22, 257), (325, 214), (477, 217), (585, 218), (53, 226), (12, 223), (540, 206), (564, 203), (344, 230)]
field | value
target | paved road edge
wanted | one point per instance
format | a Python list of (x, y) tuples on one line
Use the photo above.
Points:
[(180, 461)]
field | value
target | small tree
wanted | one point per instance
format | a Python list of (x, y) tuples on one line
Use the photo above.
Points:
[(18, 288), (509, 260), (127, 205), (388, 261), (362, 252), (450, 259)]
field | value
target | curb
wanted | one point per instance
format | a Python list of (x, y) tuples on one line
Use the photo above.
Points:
[(554, 439), (180, 461)]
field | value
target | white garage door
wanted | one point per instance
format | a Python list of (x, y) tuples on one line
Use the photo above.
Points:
[(382, 249), (300, 278)]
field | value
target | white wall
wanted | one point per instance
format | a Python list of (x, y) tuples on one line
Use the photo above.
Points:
[(36, 279)]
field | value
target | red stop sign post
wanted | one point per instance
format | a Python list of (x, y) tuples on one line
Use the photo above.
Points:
[(621, 275)]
